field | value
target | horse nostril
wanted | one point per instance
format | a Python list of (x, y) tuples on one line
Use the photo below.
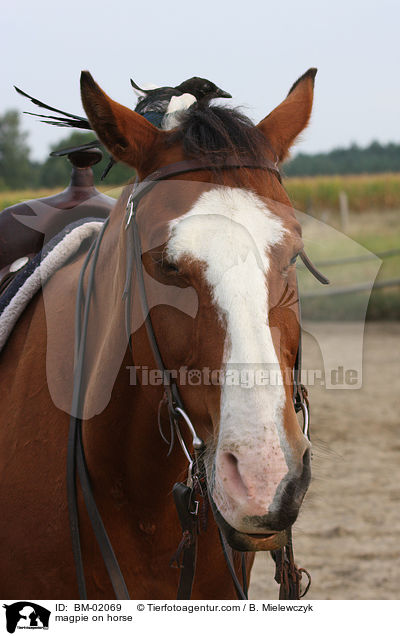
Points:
[(231, 462), (231, 474)]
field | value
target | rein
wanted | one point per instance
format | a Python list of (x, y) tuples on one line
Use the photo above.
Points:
[(186, 496)]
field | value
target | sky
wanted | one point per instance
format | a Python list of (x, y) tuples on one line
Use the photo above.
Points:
[(253, 49)]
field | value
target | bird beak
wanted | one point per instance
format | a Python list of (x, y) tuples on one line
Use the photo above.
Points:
[(221, 93)]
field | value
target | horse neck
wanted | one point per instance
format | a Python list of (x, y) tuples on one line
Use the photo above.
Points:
[(125, 448)]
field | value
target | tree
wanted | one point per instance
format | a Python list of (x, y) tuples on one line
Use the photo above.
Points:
[(374, 158), (15, 167)]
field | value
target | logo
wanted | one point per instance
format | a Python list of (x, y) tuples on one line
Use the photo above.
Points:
[(26, 615)]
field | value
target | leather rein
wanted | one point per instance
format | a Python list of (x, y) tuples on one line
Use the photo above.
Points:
[(187, 496)]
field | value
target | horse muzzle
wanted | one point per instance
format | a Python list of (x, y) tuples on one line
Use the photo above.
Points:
[(248, 542)]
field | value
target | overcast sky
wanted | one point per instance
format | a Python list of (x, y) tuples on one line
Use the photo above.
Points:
[(254, 50)]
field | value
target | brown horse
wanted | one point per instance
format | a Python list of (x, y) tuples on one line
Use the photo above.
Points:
[(222, 245)]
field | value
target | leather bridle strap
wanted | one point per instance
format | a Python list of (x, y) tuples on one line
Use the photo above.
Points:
[(183, 498), (241, 592), (76, 462), (312, 269), (299, 390), (194, 165), (287, 574), (300, 394)]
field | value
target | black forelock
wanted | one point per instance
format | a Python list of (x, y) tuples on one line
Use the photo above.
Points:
[(217, 132)]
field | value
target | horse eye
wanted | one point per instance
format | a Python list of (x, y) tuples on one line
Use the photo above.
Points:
[(167, 266), (170, 267)]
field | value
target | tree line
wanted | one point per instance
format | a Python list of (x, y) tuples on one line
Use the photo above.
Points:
[(375, 158), (19, 171)]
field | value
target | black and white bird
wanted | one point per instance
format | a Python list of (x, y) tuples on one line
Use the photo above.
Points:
[(161, 106)]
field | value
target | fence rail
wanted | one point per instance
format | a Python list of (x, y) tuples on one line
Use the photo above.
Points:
[(358, 259), (352, 289)]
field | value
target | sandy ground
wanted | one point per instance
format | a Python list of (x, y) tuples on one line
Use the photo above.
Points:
[(347, 534)]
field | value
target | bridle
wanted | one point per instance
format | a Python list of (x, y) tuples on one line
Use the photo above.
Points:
[(186, 496)]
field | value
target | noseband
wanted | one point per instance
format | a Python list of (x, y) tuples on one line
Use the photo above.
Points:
[(184, 495)]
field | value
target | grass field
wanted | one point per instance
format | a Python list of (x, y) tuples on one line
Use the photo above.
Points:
[(312, 194), (11, 197), (364, 192)]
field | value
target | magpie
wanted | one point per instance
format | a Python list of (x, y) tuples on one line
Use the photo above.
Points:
[(154, 103)]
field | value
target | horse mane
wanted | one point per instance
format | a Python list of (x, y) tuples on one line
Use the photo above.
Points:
[(218, 132)]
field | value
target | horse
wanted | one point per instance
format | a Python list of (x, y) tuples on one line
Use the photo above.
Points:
[(221, 236)]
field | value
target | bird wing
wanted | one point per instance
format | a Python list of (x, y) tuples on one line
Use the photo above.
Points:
[(180, 102), (176, 107)]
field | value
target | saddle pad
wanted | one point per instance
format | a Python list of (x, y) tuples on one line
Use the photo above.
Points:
[(40, 268)]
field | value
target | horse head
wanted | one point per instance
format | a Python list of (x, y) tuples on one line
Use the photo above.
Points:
[(231, 236)]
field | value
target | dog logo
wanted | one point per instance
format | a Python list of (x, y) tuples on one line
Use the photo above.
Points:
[(26, 615)]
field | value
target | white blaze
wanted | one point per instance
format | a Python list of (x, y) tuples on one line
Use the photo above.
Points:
[(233, 242)]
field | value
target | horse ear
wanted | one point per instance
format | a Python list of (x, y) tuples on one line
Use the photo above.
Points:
[(127, 135), (286, 121)]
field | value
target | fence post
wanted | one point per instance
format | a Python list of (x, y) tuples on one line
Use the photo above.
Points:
[(344, 210)]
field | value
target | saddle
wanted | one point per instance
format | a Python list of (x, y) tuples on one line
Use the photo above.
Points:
[(26, 227)]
